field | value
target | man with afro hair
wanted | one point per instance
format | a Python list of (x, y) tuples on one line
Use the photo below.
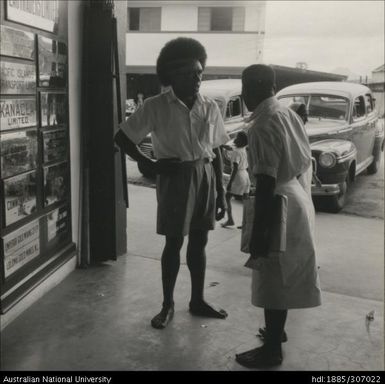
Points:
[(187, 131)]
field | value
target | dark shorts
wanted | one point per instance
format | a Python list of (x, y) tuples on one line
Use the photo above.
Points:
[(186, 199)]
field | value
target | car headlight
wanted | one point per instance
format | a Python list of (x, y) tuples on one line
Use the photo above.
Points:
[(327, 160)]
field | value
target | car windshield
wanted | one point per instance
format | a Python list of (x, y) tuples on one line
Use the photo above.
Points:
[(320, 107), (221, 105)]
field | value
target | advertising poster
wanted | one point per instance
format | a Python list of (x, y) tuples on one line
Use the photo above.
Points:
[(55, 183), (17, 43), (42, 14), (17, 78), (18, 152), (52, 62), (19, 197), (53, 109), (21, 246), (17, 113), (54, 145), (57, 223)]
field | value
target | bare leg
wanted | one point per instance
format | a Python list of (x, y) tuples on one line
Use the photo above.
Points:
[(196, 262), (170, 268), (230, 219)]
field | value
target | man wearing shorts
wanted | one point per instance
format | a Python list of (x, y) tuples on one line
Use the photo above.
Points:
[(187, 130)]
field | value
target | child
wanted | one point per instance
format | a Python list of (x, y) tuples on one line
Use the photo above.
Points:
[(239, 184)]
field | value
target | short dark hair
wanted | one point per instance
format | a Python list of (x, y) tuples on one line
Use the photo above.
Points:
[(175, 52), (242, 137), (258, 76)]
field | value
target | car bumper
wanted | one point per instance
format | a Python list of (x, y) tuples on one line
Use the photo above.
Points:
[(320, 189)]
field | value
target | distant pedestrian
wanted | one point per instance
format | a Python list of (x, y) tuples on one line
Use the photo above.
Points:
[(187, 131), (239, 183)]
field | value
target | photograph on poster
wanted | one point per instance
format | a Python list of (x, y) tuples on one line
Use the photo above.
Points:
[(52, 62), (53, 109), (19, 197), (35, 13), (21, 246), (17, 113), (55, 183), (17, 43), (17, 78), (18, 152), (57, 224), (54, 145)]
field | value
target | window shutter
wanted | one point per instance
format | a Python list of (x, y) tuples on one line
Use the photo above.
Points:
[(204, 15), (150, 19), (238, 19)]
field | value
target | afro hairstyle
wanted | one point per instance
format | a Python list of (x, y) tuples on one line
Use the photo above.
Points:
[(176, 52)]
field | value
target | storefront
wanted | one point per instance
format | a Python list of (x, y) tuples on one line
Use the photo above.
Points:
[(42, 129)]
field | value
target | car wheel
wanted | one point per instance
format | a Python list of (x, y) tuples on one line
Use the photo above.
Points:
[(337, 202), (146, 172), (373, 167)]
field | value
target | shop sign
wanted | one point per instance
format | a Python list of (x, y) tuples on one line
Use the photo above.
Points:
[(19, 197), (43, 14), (55, 183), (20, 238), (17, 113), (52, 62), (18, 152), (17, 78), (17, 43), (57, 223), (54, 145), (53, 109)]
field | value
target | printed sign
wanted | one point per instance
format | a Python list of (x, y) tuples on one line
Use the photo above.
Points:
[(54, 145), (19, 197), (57, 223), (17, 113), (18, 152), (52, 63), (53, 109), (42, 14), (20, 238), (17, 78), (17, 43), (55, 183)]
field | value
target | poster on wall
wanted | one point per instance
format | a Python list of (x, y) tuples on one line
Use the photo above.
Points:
[(55, 183), (41, 14), (19, 197), (17, 113), (54, 145), (53, 109), (17, 43), (57, 224), (20, 247), (52, 62), (17, 78), (18, 152)]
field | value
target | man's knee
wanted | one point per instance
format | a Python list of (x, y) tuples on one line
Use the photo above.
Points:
[(198, 239), (174, 244)]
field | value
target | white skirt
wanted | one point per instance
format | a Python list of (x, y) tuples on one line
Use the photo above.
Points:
[(241, 183), (290, 279)]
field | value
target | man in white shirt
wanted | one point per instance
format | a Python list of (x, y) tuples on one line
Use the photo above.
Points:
[(187, 130)]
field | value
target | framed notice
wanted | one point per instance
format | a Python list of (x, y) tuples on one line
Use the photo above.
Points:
[(17, 78), (55, 183), (17, 113), (18, 152), (17, 43), (19, 197), (53, 109), (54, 145), (52, 62), (41, 14), (57, 224), (20, 247)]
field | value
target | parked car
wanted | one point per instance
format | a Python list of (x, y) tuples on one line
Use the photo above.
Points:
[(227, 94), (345, 134)]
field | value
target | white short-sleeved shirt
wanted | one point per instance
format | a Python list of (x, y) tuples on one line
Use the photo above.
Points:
[(278, 144), (176, 131), (239, 156)]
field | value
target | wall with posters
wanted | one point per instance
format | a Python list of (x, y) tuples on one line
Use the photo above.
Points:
[(39, 165)]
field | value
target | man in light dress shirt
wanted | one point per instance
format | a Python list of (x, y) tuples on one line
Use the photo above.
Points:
[(187, 130)]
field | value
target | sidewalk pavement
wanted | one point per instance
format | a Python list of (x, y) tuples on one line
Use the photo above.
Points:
[(99, 318)]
